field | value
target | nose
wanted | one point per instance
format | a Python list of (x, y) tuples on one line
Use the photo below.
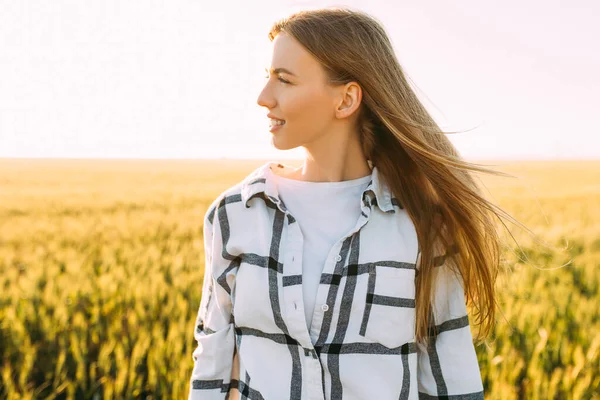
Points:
[(264, 100)]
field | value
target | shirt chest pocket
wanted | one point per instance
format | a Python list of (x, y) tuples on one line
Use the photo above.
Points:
[(389, 314)]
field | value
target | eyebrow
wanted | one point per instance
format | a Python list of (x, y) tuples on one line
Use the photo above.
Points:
[(278, 70)]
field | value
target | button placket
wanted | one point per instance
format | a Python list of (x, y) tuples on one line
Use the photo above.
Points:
[(294, 317)]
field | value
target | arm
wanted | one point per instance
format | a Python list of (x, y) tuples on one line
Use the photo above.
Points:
[(213, 330), (448, 366)]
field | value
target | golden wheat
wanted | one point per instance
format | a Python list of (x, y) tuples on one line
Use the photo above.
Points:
[(101, 268)]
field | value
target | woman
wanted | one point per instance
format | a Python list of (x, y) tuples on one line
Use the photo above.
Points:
[(347, 278)]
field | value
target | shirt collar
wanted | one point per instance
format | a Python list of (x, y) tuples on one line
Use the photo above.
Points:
[(259, 183)]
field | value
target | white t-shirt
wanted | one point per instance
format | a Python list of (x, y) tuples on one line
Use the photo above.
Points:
[(324, 211)]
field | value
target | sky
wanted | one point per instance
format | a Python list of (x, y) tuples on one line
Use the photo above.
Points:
[(180, 79)]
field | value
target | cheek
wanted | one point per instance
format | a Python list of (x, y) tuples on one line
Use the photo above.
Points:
[(309, 108)]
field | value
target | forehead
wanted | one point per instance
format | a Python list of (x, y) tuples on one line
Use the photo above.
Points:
[(290, 54)]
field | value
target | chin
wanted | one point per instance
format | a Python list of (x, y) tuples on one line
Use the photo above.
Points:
[(281, 144)]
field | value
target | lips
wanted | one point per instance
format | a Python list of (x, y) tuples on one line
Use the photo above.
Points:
[(274, 117)]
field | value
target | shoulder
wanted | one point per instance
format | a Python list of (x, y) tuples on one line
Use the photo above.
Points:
[(227, 198), (230, 199)]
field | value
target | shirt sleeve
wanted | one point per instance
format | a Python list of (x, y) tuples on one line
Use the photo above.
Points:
[(448, 366), (213, 330)]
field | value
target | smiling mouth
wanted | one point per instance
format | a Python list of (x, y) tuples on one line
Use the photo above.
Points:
[(275, 122)]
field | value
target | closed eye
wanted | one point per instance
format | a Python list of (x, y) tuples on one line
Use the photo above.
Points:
[(280, 79)]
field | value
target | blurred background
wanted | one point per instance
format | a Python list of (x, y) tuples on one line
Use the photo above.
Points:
[(120, 122), (150, 80)]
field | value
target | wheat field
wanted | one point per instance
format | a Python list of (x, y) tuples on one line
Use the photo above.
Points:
[(101, 268)]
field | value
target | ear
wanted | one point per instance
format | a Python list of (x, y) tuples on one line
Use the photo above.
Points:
[(349, 101)]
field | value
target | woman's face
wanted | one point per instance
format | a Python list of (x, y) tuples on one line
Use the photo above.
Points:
[(300, 95)]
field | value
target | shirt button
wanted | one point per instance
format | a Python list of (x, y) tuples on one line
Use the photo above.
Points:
[(338, 257), (324, 307)]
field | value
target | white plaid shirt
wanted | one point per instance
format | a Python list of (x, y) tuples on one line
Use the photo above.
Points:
[(253, 342)]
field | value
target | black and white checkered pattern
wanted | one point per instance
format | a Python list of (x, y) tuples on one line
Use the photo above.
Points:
[(253, 342)]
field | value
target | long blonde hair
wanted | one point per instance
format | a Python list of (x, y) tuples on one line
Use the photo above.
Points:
[(422, 167)]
